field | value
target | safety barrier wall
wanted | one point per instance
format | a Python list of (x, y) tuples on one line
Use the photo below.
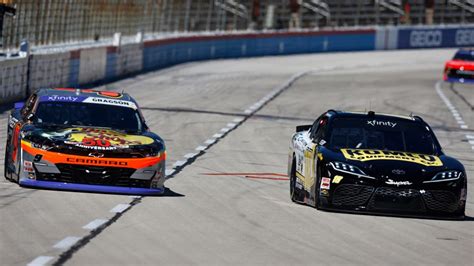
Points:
[(48, 70), (163, 53), (85, 66), (13, 80), (424, 37)]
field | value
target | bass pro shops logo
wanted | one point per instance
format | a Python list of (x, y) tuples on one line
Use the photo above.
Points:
[(426, 38)]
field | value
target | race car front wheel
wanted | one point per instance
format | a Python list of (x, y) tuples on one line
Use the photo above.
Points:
[(293, 180), (317, 189), (6, 173)]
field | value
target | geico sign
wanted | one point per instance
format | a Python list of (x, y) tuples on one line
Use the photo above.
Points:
[(464, 37), (426, 38)]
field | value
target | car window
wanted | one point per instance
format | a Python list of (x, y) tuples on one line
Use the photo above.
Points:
[(397, 135), (30, 103)]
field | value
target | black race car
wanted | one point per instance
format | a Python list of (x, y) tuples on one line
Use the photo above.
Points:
[(367, 162), (84, 140)]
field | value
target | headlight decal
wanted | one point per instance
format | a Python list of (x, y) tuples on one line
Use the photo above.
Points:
[(445, 176), (349, 169)]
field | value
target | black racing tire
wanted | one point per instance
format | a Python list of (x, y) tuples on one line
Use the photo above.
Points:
[(461, 211), (5, 172), (293, 180)]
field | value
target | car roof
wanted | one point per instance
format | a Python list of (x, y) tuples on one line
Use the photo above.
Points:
[(84, 93), (372, 114), (466, 51)]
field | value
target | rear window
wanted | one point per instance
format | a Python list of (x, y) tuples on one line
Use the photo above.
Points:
[(464, 56)]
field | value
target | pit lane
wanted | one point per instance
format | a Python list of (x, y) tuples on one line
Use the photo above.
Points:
[(231, 219)]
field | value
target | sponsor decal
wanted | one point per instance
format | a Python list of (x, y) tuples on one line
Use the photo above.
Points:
[(464, 37), (337, 179), (96, 155), (320, 156), (325, 183), (371, 155), (98, 139), (426, 38), (58, 98), (12, 121), (324, 192), (95, 162), (28, 167), (114, 102), (464, 72), (398, 183), (381, 123), (398, 172)]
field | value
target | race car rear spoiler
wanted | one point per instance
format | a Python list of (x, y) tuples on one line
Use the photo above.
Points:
[(303, 128)]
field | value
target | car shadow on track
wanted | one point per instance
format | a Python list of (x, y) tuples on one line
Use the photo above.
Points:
[(167, 193), (466, 218), (171, 193)]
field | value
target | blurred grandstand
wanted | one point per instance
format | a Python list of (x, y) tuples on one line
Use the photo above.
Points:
[(45, 22)]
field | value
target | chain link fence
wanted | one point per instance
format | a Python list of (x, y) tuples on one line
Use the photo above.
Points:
[(46, 22)]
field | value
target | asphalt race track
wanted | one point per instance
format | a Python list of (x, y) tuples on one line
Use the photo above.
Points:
[(229, 204)]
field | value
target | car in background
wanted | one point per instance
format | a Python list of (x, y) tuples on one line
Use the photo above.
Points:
[(375, 163), (84, 140), (461, 68)]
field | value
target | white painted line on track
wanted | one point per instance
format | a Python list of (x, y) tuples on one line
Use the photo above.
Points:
[(40, 261), (190, 155), (169, 172), (210, 141), (94, 224), (225, 129), (470, 136), (238, 120), (120, 208), (457, 116), (201, 148), (179, 164), (217, 135), (67, 242), (231, 125)]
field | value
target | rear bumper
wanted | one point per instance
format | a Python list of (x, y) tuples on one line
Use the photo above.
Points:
[(91, 188), (459, 80)]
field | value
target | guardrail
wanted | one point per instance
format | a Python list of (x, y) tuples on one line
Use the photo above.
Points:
[(78, 67)]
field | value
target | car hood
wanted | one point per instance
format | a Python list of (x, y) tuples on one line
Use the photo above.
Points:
[(394, 165), (89, 140)]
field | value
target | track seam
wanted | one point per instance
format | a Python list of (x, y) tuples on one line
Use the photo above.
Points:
[(249, 112), (456, 92)]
